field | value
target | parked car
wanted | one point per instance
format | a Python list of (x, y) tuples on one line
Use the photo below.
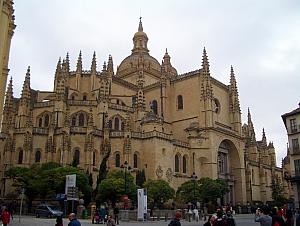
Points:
[(46, 210)]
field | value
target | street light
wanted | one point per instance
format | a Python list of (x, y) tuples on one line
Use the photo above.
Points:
[(194, 178), (127, 168)]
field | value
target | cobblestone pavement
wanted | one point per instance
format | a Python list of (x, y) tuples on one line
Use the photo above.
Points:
[(241, 220)]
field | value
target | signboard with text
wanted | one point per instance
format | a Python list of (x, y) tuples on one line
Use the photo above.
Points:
[(70, 182)]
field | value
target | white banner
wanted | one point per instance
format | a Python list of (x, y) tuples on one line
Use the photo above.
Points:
[(141, 200), (70, 182), (145, 202)]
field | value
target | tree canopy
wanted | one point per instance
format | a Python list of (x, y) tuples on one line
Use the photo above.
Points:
[(159, 192), (205, 190), (113, 187), (47, 180)]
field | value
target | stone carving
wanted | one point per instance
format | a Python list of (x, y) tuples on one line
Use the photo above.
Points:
[(169, 175), (159, 172)]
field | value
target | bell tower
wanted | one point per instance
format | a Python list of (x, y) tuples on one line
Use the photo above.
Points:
[(7, 27)]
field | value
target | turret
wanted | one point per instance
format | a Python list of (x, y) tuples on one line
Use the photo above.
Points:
[(252, 138), (234, 103), (140, 40), (207, 96), (25, 95), (110, 66), (58, 74), (8, 108), (24, 106), (264, 139), (93, 72), (166, 63), (78, 71)]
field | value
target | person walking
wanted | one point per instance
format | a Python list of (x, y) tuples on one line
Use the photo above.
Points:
[(5, 217), (73, 220), (110, 221), (211, 220), (176, 220), (116, 214), (59, 221), (262, 216)]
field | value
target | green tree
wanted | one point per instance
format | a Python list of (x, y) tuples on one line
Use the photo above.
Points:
[(277, 192), (46, 180), (189, 191), (204, 189), (211, 189), (159, 192), (113, 187)]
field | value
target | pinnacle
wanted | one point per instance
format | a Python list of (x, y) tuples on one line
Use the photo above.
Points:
[(140, 25)]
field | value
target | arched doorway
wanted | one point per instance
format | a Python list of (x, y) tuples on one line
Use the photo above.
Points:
[(230, 170)]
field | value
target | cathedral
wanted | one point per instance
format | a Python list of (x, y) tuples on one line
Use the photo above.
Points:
[(143, 112)]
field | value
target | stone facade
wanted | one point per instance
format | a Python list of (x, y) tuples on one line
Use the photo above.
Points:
[(145, 113), (292, 160), (7, 27)]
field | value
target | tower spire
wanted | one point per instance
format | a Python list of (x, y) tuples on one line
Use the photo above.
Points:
[(9, 96), (58, 73), (140, 40), (205, 63), (25, 95), (140, 25), (234, 96), (94, 64), (8, 113), (264, 139), (110, 65), (67, 62), (79, 64)]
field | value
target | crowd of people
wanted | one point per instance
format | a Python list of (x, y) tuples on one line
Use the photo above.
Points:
[(267, 216)]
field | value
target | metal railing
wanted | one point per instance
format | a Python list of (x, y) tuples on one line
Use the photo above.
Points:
[(77, 129), (44, 104), (293, 129), (38, 130), (82, 102), (120, 107)]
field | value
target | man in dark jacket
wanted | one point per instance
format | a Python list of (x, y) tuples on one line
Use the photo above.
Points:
[(73, 220), (176, 220)]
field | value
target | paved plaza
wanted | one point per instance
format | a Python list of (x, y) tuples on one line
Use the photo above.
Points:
[(243, 219)]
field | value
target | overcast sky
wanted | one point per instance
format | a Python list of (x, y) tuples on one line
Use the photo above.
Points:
[(261, 39)]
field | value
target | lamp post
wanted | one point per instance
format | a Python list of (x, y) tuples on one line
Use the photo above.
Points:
[(126, 168), (194, 178)]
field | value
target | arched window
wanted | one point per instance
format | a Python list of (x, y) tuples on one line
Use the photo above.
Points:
[(37, 156), (74, 120), (81, 119), (110, 124), (73, 97), (84, 97), (253, 176), (184, 164), (135, 161), (46, 120), (94, 158), (176, 164), (117, 124), (117, 160), (179, 102), (20, 158), (76, 159), (40, 122), (153, 106)]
